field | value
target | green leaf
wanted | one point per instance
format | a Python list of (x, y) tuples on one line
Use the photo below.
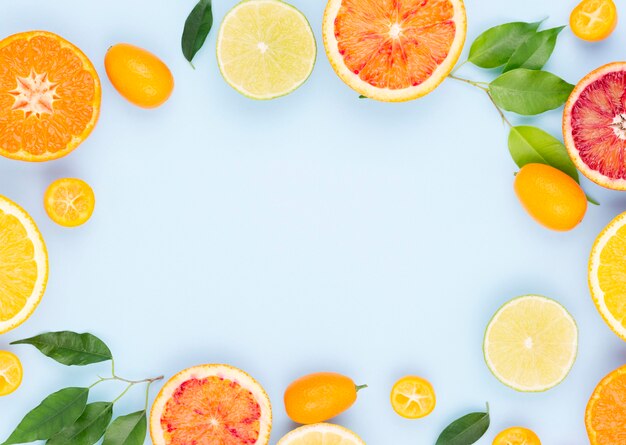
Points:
[(127, 430), (197, 28), (529, 92), (592, 200), (465, 430), (363, 97), (531, 145), (494, 47), (58, 411), (535, 52), (89, 427), (70, 348)]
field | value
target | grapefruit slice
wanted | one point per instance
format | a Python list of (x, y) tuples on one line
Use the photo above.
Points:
[(211, 405), (394, 50), (605, 415), (49, 96), (594, 126)]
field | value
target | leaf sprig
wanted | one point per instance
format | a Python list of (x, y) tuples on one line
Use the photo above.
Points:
[(519, 51), (66, 417), (465, 430)]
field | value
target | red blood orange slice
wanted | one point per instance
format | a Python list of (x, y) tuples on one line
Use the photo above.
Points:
[(594, 126), (211, 405), (394, 50)]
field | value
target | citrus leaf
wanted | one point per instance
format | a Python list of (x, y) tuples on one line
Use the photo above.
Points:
[(529, 92), (89, 427), (197, 28), (58, 411), (592, 200), (530, 145), (535, 52), (70, 348), (465, 430), (127, 430), (494, 47)]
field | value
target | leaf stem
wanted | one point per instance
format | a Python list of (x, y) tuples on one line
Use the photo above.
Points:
[(360, 387), (502, 115), (459, 66), (480, 85), (147, 394), (130, 385)]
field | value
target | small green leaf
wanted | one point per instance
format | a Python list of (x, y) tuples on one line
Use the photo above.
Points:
[(197, 28), (89, 427), (529, 92), (465, 430), (70, 348), (535, 52), (127, 430), (592, 201), (530, 145), (494, 47), (363, 97), (58, 411)]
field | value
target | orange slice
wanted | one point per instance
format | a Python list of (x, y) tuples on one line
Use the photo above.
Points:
[(211, 405), (394, 50), (49, 96), (413, 397), (594, 20), (605, 415), (69, 202), (517, 435), (10, 373), (23, 265)]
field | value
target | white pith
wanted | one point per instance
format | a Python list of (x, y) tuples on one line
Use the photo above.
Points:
[(34, 94)]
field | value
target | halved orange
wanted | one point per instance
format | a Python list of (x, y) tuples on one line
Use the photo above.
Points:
[(413, 397), (49, 96), (11, 373), (69, 202), (211, 405), (605, 415), (394, 50)]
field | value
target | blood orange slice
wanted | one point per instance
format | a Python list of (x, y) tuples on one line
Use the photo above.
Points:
[(394, 50), (211, 405), (49, 96), (594, 126)]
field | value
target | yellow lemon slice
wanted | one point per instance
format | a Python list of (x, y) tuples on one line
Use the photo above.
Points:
[(23, 265), (321, 434), (413, 397), (10, 373), (531, 343)]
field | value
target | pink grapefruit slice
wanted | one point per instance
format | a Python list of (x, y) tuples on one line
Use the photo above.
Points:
[(594, 126), (394, 50), (211, 405)]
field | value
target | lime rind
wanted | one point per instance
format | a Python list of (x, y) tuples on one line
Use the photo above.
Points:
[(511, 384), (250, 71)]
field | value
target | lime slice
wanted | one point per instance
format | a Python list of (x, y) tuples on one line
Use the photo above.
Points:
[(531, 343), (265, 48)]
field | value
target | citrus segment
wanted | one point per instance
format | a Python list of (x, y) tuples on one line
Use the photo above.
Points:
[(23, 265), (517, 436), (394, 51), (607, 280), (594, 126), (594, 20), (321, 434), (211, 405), (265, 48), (10, 373), (605, 415), (69, 202), (49, 96), (413, 397), (531, 343)]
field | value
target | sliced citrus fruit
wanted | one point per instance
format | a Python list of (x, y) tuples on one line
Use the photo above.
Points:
[(517, 436), (265, 48), (49, 96), (594, 126), (531, 343), (605, 415), (413, 397), (321, 434), (211, 405), (10, 373), (607, 280), (397, 50), (69, 202), (594, 20), (23, 265)]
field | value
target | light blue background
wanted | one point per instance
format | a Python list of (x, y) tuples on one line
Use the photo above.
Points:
[(314, 232)]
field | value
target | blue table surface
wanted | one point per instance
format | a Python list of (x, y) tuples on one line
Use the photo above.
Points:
[(314, 232)]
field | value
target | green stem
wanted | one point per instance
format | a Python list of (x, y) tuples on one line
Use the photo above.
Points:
[(502, 115), (192, 65), (459, 66), (360, 387), (130, 385), (147, 394), (480, 85)]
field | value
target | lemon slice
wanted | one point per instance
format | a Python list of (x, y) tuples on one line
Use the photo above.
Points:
[(531, 343), (265, 48), (321, 434), (23, 265), (10, 373), (607, 274)]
